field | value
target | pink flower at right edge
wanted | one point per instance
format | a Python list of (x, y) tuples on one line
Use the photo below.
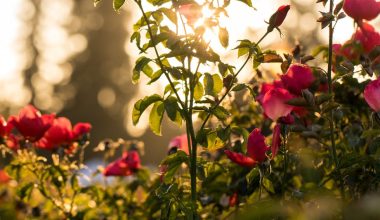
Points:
[(372, 95), (361, 9)]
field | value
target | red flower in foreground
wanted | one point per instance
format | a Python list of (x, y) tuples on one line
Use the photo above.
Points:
[(81, 129), (59, 133), (4, 177), (361, 9), (31, 124), (367, 36), (297, 78), (180, 142), (5, 128), (278, 17), (256, 151), (127, 165), (274, 103), (372, 95)]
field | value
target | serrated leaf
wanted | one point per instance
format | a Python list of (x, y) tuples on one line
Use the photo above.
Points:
[(156, 116)]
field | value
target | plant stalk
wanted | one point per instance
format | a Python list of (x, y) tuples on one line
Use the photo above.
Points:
[(331, 121)]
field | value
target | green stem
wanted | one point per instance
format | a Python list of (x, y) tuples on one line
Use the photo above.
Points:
[(329, 77), (162, 67)]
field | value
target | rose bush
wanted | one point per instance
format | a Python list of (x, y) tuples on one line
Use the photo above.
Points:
[(323, 125)]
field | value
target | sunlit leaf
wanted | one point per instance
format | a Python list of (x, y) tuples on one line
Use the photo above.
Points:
[(156, 116), (117, 4)]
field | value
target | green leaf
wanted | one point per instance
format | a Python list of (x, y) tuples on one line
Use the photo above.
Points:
[(117, 4), (213, 84), (221, 113), (213, 142), (141, 65), (141, 105), (253, 176), (169, 14), (25, 190), (172, 110), (156, 116), (198, 91), (223, 37), (247, 2)]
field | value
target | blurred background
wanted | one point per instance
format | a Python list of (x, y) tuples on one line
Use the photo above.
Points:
[(69, 57)]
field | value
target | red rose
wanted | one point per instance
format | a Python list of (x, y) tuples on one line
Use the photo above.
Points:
[(265, 87), (12, 142), (278, 17), (180, 142), (361, 9), (31, 124), (124, 166), (274, 103), (58, 134), (297, 78), (4, 177), (256, 151), (233, 200), (372, 95), (5, 127), (81, 129), (367, 36)]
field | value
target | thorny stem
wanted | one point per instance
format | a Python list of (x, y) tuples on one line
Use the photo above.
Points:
[(329, 73)]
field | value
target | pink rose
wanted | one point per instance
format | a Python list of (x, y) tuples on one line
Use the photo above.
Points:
[(274, 103), (361, 9), (372, 95), (127, 165), (297, 78), (367, 36)]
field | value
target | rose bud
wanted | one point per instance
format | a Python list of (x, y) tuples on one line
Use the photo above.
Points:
[(278, 17), (361, 9), (127, 165), (297, 78), (31, 124), (256, 151), (180, 143), (372, 95), (367, 36), (274, 103), (276, 139), (81, 129)]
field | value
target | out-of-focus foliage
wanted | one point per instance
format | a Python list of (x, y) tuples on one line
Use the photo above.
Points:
[(304, 146)]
